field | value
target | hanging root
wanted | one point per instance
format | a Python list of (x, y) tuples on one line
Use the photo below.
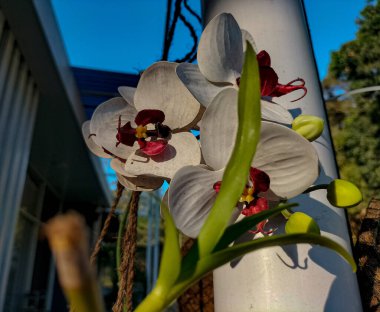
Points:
[(124, 296)]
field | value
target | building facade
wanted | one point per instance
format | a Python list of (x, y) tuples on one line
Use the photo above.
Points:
[(45, 167)]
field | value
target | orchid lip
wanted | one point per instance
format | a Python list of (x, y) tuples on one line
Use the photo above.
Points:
[(250, 199), (128, 135), (269, 79)]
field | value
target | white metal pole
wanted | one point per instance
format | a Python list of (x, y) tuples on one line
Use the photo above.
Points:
[(299, 278)]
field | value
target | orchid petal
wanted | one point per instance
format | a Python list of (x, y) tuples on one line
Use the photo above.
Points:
[(160, 88), (220, 50), (140, 183), (128, 94), (191, 196), (272, 111), (92, 146), (104, 124), (290, 160), (182, 150), (246, 36), (119, 167), (219, 128), (202, 89)]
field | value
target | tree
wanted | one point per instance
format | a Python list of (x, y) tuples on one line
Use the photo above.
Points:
[(356, 122)]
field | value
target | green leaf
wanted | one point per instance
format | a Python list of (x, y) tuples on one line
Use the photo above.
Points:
[(217, 259), (221, 257), (236, 173), (231, 233), (171, 255), (234, 231)]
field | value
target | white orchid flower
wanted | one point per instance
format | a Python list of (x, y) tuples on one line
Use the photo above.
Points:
[(160, 89), (285, 164), (145, 131), (220, 59)]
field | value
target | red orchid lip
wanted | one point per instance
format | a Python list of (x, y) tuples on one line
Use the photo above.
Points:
[(260, 180), (270, 85), (128, 135), (263, 58), (125, 134), (147, 116), (261, 183), (153, 148), (258, 205)]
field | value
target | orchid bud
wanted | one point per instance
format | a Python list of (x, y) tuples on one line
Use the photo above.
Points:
[(343, 194), (300, 222), (310, 127)]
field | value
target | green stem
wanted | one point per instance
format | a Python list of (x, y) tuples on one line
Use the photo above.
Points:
[(154, 302), (316, 187), (286, 213)]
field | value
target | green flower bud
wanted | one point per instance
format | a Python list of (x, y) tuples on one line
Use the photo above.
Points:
[(343, 194), (310, 127), (300, 222)]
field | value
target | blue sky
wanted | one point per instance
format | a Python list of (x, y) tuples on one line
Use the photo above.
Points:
[(127, 35)]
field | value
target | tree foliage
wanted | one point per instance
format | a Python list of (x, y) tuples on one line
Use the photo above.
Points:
[(356, 121)]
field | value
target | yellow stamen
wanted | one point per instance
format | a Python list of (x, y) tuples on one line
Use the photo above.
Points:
[(247, 195), (141, 132)]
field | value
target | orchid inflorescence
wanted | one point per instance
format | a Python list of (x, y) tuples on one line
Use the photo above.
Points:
[(146, 133)]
